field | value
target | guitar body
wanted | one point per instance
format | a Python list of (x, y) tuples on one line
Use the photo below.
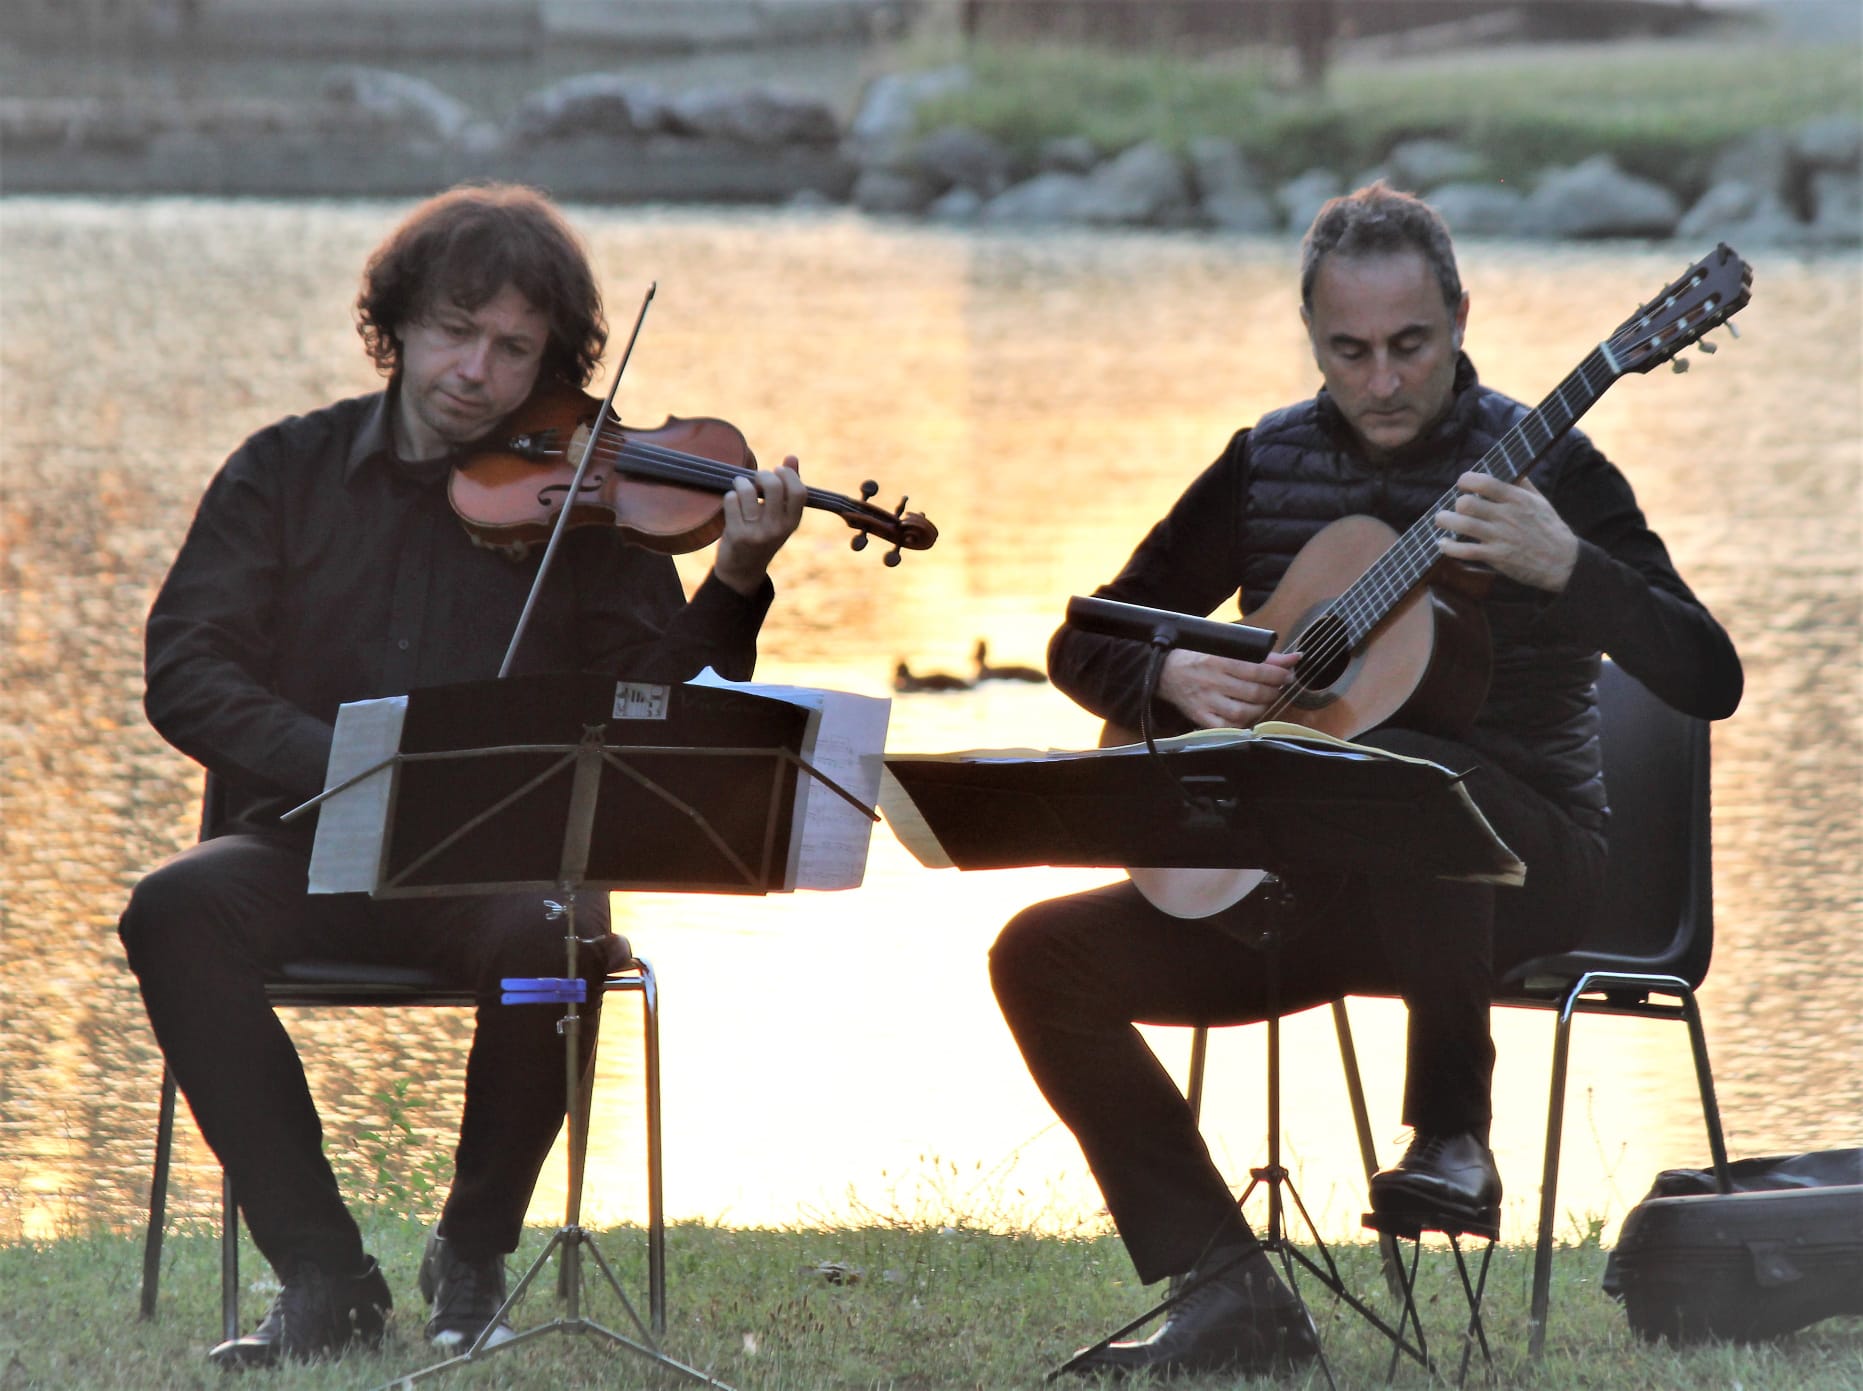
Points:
[(1425, 666)]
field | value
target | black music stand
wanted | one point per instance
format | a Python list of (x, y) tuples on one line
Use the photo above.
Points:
[(1261, 799), (564, 783)]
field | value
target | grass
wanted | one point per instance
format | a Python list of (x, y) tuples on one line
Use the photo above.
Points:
[(889, 1305), (1661, 108)]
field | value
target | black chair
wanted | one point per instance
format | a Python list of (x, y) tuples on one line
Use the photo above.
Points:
[(1644, 956), (1648, 952), (336, 984)]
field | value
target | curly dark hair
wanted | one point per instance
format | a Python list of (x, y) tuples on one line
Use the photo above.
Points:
[(1376, 221), (464, 246)]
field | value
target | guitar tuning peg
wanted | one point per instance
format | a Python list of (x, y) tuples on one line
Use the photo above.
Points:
[(1709, 348), (1679, 366), (1733, 328)]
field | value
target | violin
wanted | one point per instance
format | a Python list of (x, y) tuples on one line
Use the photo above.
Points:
[(664, 487)]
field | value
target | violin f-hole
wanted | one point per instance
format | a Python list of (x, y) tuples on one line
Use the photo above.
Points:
[(592, 484)]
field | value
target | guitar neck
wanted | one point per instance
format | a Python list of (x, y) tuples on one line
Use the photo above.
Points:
[(1399, 570)]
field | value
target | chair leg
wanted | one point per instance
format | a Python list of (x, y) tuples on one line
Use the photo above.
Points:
[(1193, 1095), (648, 988), (158, 1218), (158, 1196), (1549, 1180), (1199, 1061), (1704, 1079), (229, 1259), (1388, 1256), (656, 1195)]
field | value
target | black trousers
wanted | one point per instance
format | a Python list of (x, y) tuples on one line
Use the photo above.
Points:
[(204, 931), (1074, 975)]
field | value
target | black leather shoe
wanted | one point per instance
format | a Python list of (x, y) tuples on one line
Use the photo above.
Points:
[(1440, 1176), (466, 1296), (1241, 1320), (312, 1318)]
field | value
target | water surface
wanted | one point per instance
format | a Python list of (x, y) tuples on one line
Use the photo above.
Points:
[(1042, 398)]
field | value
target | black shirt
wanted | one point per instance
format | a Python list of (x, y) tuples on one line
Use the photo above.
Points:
[(320, 569)]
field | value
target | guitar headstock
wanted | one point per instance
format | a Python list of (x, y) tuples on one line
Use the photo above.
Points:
[(1704, 296)]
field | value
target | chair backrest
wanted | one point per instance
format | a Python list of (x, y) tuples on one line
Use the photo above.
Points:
[(1658, 912)]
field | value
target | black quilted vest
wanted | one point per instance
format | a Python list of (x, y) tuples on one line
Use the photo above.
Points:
[(1304, 470)]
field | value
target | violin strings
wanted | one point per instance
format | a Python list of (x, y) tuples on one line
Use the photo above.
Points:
[(677, 466)]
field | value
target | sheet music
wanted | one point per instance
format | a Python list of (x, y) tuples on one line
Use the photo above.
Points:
[(845, 740), (346, 857)]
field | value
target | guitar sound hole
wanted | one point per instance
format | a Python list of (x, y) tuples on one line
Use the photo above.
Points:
[(1325, 653)]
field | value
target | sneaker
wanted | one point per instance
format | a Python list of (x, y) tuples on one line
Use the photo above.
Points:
[(313, 1318), (466, 1297)]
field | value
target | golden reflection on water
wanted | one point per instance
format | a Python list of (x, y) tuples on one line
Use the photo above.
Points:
[(1042, 399)]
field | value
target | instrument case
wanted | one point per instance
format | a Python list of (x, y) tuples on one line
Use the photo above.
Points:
[(1744, 1266)]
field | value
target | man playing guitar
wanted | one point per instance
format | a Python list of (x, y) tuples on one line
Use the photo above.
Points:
[(1567, 569)]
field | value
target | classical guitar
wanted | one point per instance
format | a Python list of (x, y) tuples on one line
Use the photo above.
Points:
[(1406, 640)]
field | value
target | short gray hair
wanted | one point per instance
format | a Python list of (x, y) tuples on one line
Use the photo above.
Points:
[(1377, 220)]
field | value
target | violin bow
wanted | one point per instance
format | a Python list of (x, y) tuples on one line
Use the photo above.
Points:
[(602, 417)]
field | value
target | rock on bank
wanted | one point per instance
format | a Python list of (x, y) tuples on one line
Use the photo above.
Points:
[(611, 138)]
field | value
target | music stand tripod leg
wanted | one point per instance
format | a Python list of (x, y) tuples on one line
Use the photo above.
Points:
[(1275, 1176), (570, 990), (571, 1238)]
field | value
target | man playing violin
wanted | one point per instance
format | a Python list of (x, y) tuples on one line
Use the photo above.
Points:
[(325, 565), (1574, 571)]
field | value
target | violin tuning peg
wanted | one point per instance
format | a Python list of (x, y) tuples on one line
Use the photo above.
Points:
[(892, 557), (868, 489), (859, 543)]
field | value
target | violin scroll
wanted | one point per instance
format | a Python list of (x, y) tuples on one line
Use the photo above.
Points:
[(910, 531)]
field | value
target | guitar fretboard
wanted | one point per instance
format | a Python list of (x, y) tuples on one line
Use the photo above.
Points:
[(1375, 593)]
